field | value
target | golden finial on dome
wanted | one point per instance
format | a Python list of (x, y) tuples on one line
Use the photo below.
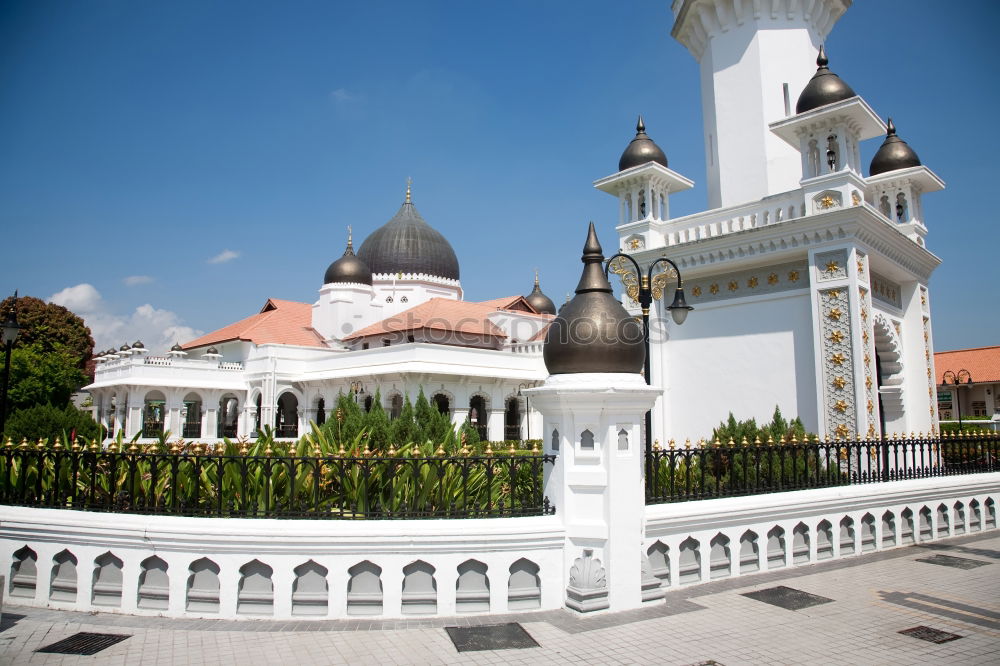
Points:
[(409, 183)]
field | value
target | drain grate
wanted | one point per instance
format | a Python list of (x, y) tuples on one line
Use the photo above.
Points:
[(84, 643), (510, 636), (952, 561), (931, 635), (787, 597)]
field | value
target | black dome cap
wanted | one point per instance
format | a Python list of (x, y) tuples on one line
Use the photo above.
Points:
[(407, 244), (641, 149), (893, 154), (593, 332), (540, 301), (823, 88), (349, 268)]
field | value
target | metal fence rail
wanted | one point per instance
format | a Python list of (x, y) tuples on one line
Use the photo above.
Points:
[(718, 470), (202, 483)]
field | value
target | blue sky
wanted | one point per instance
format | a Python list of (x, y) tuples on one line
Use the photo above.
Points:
[(177, 163)]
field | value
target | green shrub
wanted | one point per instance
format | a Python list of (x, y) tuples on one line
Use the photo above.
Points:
[(46, 422)]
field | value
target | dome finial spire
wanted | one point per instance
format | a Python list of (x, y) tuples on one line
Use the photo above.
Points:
[(536, 277), (821, 59), (409, 183), (350, 238), (640, 127), (890, 129)]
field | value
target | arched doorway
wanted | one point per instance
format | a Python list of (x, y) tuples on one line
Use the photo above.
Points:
[(153, 410), (256, 417), (228, 416), (395, 406), (320, 411), (477, 415), (192, 416), (286, 419), (442, 403), (512, 419)]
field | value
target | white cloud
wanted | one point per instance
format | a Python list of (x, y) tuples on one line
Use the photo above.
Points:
[(224, 256), (135, 280), (158, 329), (345, 96), (81, 299)]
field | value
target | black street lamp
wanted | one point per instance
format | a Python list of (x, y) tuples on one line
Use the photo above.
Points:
[(10, 330), (963, 376), (644, 291)]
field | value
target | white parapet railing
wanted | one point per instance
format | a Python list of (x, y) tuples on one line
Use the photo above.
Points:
[(251, 568), (701, 541), (722, 221)]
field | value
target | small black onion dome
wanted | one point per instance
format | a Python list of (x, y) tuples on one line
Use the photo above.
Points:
[(176, 347), (138, 345), (823, 88), (540, 301), (407, 244), (124, 348), (593, 332), (893, 154), (348, 268), (211, 350), (641, 149), (111, 350)]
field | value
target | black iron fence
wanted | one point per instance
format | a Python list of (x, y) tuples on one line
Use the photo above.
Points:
[(200, 482), (725, 470)]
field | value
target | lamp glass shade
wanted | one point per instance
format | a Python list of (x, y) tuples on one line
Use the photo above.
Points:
[(10, 328), (679, 309)]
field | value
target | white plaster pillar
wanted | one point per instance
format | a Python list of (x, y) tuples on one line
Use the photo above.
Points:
[(495, 425), (209, 422), (597, 482)]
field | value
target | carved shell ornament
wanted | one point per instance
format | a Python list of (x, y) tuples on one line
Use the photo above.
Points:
[(587, 573)]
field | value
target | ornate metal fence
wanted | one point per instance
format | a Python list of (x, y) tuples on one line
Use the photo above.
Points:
[(725, 470), (200, 482)]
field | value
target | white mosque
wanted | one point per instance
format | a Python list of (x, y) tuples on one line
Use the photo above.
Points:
[(808, 278)]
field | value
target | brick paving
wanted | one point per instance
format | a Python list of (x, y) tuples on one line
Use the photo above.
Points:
[(874, 597)]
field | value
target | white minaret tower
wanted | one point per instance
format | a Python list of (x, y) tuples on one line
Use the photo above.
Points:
[(756, 57)]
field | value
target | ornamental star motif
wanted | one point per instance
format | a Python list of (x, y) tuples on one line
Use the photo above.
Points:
[(733, 285), (696, 291), (868, 358), (840, 406), (839, 382), (832, 266), (868, 383), (752, 282), (835, 314), (871, 406), (714, 288), (772, 278), (838, 359), (826, 202), (842, 431), (834, 294), (836, 337), (864, 336), (793, 276), (634, 244)]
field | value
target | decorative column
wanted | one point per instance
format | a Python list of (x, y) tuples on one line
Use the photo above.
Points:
[(593, 405), (495, 425)]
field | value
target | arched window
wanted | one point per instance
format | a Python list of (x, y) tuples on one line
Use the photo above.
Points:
[(477, 415), (512, 419), (192, 416), (442, 403), (286, 419), (228, 416), (395, 406), (153, 410), (320, 411)]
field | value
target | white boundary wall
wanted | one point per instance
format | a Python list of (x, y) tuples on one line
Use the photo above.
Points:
[(702, 521), (282, 545)]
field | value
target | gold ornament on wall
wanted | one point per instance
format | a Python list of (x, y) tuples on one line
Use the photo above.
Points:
[(752, 282), (826, 202), (832, 267), (620, 267), (733, 285), (835, 314), (837, 359), (793, 276), (696, 291), (839, 382), (836, 337), (772, 278), (714, 288)]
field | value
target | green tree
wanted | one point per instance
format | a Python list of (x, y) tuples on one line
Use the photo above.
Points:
[(377, 424), (42, 377), (52, 328), (404, 427), (47, 422)]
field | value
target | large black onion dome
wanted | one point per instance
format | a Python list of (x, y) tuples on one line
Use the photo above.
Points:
[(893, 154), (823, 88), (642, 149), (593, 332), (540, 301), (348, 268), (407, 244)]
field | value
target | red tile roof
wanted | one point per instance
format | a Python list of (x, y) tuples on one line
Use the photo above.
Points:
[(443, 314), (512, 303), (280, 322), (982, 363)]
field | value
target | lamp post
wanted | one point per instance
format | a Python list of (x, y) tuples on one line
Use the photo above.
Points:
[(963, 376), (10, 330), (644, 291), (527, 411)]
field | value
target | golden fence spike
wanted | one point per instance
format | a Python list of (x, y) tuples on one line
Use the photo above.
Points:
[(512, 451), (756, 440), (745, 442), (94, 446), (687, 443), (57, 446), (134, 448), (440, 450), (795, 438), (731, 442), (268, 451), (391, 453), (41, 443), (672, 443), (770, 440), (367, 452), (717, 443), (534, 447), (489, 449)]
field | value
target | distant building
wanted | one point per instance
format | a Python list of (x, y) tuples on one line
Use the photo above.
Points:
[(970, 378)]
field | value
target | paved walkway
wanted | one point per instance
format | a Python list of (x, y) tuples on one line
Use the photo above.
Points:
[(852, 613)]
